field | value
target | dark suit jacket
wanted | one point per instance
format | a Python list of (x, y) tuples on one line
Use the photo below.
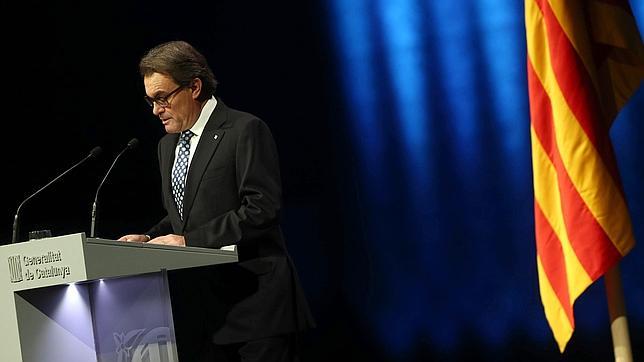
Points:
[(233, 196)]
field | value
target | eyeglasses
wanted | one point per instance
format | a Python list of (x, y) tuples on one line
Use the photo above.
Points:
[(163, 101)]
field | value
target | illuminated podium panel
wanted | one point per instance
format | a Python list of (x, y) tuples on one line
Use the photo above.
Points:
[(72, 298)]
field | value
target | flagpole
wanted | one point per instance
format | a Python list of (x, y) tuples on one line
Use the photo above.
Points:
[(617, 313)]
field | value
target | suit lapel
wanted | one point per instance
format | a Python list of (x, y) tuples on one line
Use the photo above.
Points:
[(208, 142)]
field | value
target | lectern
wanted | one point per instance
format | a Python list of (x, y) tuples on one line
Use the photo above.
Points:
[(72, 298)]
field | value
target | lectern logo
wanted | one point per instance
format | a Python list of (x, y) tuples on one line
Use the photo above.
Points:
[(15, 268), (144, 345)]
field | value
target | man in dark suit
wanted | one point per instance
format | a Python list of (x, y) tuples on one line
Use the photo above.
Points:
[(221, 188)]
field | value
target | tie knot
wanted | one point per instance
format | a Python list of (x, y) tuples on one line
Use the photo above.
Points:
[(186, 136)]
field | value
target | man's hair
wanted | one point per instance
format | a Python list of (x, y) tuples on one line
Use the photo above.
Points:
[(182, 62)]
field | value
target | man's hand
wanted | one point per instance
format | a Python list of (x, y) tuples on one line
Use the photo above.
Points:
[(135, 238), (170, 239)]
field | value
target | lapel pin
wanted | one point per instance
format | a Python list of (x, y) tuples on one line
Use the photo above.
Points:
[(216, 136)]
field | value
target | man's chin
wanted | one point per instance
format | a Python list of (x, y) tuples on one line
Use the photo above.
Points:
[(169, 129)]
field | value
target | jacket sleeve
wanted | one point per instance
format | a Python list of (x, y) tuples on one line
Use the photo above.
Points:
[(164, 226)]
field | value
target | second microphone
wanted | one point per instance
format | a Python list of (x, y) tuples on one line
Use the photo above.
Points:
[(130, 145)]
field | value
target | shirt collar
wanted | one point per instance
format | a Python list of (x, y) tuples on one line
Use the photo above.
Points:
[(206, 111)]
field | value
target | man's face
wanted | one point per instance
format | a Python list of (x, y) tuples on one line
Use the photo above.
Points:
[(174, 105)]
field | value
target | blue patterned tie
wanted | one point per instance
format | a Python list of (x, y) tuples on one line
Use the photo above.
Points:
[(180, 170)]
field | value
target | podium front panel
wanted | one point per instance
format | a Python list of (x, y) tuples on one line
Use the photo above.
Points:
[(55, 324), (133, 319)]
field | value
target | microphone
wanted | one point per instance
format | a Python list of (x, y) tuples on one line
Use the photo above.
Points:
[(130, 145), (92, 154)]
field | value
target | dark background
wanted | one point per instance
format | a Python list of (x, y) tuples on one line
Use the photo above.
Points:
[(453, 279)]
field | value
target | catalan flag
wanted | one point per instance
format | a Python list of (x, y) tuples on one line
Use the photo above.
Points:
[(585, 60)]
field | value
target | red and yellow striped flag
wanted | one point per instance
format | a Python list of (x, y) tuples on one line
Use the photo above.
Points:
[(585, 60)]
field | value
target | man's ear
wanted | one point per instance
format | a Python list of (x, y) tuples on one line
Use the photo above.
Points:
[(195, 88)]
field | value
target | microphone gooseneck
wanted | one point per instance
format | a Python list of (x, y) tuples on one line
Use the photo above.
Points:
[(130, 145), (93, 154)]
